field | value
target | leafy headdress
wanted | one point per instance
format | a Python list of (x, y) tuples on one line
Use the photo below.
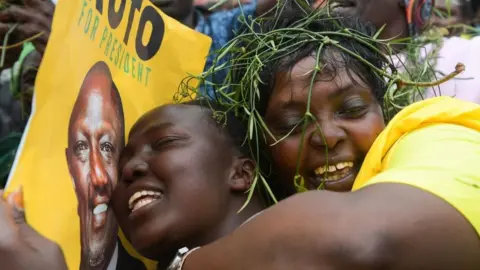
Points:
[(267, 43)]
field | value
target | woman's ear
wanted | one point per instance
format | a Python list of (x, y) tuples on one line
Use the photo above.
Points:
[(242, 175)]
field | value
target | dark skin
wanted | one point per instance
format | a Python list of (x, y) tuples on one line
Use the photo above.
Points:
[(349, 119), (392, 14), (167, 152)]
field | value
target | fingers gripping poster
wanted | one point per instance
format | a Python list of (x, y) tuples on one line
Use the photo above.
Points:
[(107, 63)]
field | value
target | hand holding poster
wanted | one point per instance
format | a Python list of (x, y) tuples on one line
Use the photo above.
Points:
[(107, 63)]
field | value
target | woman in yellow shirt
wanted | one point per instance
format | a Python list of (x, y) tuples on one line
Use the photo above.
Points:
[(416, 183)]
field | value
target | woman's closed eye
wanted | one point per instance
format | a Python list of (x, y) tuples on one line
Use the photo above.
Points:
[(354, 108), (288, 125), (165, 142)]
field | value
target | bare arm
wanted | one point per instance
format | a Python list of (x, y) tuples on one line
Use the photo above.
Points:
[(384, 226)]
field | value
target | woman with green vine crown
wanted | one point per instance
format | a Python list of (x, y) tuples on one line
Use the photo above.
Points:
[(426, 51), (414, 200), (311, 88)]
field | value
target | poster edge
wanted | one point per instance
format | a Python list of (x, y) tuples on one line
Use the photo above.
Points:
[(22, 143)]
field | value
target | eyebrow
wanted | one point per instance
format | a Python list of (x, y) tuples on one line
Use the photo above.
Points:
[(290, 104), (342, 90), (156, 126)]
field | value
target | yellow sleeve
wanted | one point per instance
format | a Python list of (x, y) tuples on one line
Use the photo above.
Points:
[(443, 159)]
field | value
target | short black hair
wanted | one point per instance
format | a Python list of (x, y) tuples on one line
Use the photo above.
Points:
[(232, 127), (332, 58)]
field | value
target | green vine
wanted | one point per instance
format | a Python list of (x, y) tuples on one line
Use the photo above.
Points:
[(252, 50)]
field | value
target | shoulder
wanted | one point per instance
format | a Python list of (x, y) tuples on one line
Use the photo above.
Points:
[(434, 144), (441, 159)]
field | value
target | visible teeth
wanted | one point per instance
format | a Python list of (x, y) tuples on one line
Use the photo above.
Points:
[(150, 196), (320, 170), (333, 168), (332, 178), (100, 209), (142, 203)]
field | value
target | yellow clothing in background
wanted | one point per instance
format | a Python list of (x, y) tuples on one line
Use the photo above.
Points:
[(433, 145)]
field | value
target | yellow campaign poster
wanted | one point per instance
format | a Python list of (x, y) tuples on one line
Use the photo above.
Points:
[(107, 63)]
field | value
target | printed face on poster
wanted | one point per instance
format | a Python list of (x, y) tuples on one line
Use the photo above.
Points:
[(107, 63)]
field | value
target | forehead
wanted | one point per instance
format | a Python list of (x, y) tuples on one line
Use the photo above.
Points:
[(191, 118), (97, 103), (296, 83)]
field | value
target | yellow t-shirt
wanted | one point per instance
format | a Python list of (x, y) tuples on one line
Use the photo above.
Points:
[(433, 145)]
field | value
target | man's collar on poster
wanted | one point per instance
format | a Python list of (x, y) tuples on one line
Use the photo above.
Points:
[(113, 262)]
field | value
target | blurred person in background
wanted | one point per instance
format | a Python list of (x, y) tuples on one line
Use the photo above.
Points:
[(456, 15), (19, 70), (411, 22), (221, 25)]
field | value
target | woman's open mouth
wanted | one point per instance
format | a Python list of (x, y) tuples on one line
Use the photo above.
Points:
[(334, 172), (143, 198), (331, 175)]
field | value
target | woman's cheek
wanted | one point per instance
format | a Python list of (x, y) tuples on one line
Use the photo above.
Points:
[(365, 132), (285, 155)]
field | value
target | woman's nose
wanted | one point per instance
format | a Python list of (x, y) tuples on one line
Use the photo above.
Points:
[(134, 169), (326, 134)]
